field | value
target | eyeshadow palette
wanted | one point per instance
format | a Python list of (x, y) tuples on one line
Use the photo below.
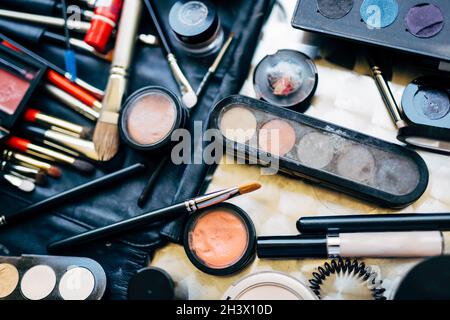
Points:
[(19, 77), (332, 156), (419, 27), (32, 277)]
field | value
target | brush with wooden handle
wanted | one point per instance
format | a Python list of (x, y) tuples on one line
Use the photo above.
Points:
[(106, 135)]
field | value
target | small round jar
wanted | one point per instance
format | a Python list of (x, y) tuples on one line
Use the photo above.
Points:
[(220, 240), (149, 117), (286, 79), (151, 284), (196, 26)]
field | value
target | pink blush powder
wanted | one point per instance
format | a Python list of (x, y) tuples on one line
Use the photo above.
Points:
[(151, 118), (12, 91), (219, 239)]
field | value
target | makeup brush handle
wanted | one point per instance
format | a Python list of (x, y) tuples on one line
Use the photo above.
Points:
[(70, 194), (127, 34), (79, 26), (183, 83), (118, 227)]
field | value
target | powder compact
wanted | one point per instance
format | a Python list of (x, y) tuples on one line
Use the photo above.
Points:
[(32, 277), (196, 26), (347, 161), (149, 117), (426, 106), (269, 285), (19, 78), (287, 79), (220, 240), (412, 26)]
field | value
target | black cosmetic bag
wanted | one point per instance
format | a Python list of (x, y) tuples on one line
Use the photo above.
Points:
[(122, 257)]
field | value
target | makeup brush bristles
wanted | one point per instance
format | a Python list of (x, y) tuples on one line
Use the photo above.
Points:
[(83, 166), (87, 133), (249, 187), (106, 140), (54, 172)]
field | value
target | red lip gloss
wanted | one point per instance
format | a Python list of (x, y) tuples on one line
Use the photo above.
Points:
[(106, 15)]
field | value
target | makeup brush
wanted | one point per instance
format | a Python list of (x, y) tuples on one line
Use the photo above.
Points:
[(84, 147), (386, 94), (35, 116), (212, 70), (43, 7), (71, 194), (17, 47), (186, 207), (21, 184), (106, 135), (80, 26), (37, 35), (189, 97), (26, 146), (22, 72), (74, 90), (52, 171), (39, 176), (69, 55), (72, 102)]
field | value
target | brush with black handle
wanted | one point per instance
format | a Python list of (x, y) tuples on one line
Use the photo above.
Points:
[(186, 207)]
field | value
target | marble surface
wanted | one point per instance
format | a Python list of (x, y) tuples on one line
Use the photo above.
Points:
[(345, 97)]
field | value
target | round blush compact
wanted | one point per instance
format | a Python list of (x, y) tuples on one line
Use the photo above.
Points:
[(149, 118), (286, 79), (220, 240)]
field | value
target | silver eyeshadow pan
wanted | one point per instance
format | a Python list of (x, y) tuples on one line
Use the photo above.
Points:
[(348, 161), (33, 277)]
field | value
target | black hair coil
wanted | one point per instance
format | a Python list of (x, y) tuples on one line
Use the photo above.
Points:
[(351, 267)]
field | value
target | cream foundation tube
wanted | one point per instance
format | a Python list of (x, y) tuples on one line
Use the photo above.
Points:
[(368, 245)]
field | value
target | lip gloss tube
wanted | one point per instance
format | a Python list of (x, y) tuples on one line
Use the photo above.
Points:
[(353, 245)]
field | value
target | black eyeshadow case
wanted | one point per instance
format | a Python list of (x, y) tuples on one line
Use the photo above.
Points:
[(8, 121), (290, 165), (395, 36), (122, 257), (59, 265)]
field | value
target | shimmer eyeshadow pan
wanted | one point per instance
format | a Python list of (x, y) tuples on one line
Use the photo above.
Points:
[(359, 165), (425, 20), (379, 13), (334, 9), (220, 240)]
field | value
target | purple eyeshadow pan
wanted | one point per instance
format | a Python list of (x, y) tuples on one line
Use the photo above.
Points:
[(424, 20)]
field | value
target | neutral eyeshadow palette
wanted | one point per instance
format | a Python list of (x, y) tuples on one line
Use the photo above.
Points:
[(332, 156), (32, 277), (414, 26)]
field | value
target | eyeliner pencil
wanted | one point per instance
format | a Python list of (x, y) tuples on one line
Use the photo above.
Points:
[(186, 207), (374, 223), (71, 194)]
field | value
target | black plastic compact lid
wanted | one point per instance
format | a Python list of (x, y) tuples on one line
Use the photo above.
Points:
[(287, 79), (429, 280), (151, 284), (194, 22)]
